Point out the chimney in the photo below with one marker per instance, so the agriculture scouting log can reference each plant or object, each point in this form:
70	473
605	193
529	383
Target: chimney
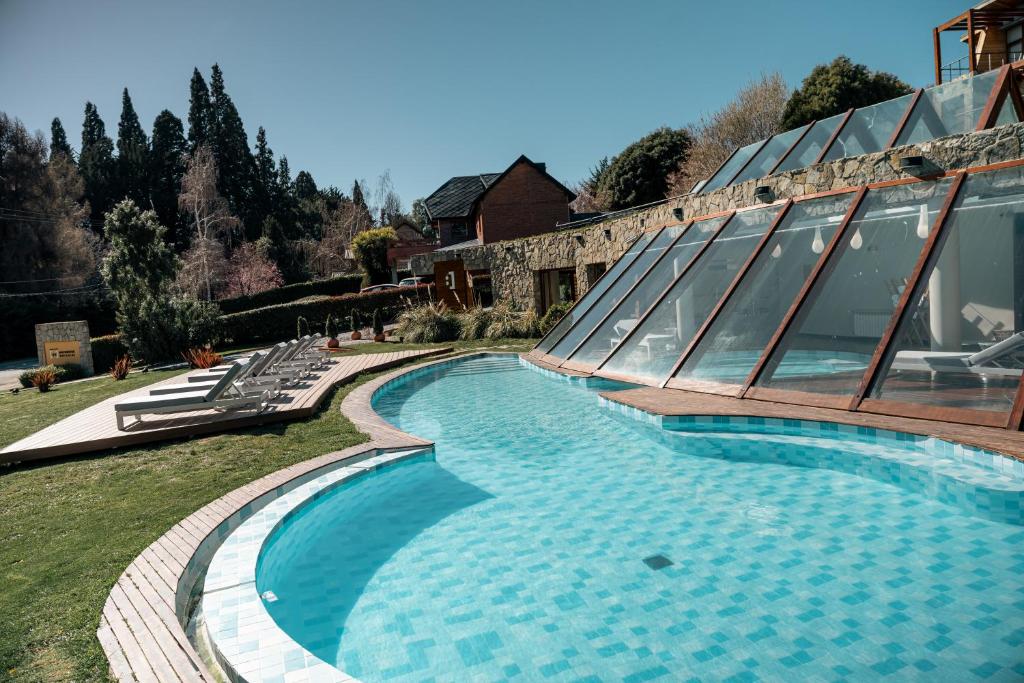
542	166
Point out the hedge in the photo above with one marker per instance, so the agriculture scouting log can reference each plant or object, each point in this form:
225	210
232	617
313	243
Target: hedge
343	284
19	315
105	350
277	323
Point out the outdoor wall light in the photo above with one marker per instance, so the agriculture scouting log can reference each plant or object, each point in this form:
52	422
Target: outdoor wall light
911	164
607	233
764	194
579	238
643	222
677	213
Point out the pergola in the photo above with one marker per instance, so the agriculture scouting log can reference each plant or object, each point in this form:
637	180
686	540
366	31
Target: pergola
970	21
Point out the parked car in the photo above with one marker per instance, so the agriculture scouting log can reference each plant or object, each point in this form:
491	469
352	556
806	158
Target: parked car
378	288
417	280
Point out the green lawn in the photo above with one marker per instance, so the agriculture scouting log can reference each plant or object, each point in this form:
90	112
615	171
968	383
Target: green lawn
68	528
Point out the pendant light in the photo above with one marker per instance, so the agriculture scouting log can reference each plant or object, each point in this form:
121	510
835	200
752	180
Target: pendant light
818	245
922	222
857	241
777	251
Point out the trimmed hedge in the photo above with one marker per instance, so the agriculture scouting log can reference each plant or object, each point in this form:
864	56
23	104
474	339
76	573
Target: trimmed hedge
343	284
277	323
105	350
21	313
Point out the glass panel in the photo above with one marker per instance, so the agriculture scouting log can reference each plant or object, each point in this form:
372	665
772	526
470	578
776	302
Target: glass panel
589	320
809	149
735	163
869	129
948	109
765	159
636	303
1007	113
838	327
961	343
594	293
748	320
657	343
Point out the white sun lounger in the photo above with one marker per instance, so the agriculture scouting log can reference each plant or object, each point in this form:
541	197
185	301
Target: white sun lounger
248	378
987	361
223	395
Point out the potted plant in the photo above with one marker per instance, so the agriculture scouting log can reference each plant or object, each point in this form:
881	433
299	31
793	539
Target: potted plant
331	330
378	326
353	323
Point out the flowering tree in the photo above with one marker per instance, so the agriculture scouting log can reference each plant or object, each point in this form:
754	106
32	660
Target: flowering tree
250	271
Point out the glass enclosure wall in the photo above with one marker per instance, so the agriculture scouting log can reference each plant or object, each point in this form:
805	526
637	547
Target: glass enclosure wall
653	346
738	336
764	161
869	129
810	148
634	305
636	270
834	334
594	293
960	343
948	109
729	169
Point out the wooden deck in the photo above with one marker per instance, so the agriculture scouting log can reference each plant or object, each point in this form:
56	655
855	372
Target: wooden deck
95	429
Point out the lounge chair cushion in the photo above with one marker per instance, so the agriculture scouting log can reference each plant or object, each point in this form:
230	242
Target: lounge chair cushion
148	402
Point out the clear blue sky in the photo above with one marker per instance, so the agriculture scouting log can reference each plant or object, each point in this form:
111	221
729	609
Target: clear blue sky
435	89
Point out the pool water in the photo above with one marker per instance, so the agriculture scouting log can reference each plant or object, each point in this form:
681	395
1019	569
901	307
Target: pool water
550	538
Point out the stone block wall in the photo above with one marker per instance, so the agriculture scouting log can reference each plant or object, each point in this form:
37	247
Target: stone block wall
513	263
67	331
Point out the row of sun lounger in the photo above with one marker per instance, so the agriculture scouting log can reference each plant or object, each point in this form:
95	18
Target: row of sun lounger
249	383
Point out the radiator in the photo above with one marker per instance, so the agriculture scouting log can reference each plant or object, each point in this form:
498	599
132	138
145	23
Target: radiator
870	323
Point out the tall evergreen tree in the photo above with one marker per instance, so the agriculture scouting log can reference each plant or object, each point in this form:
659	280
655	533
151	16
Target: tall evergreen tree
167	164
357	195
199	112
96	163
305	187
284	177
235	164
265	186
59	140
132	154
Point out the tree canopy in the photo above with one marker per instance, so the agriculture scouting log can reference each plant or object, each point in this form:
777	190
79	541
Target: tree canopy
638	175
371	250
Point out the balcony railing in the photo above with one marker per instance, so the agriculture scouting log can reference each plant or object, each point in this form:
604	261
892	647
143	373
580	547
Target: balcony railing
986	61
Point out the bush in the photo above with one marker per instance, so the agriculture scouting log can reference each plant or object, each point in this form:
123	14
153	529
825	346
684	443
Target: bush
507	322
378	324
353	321
274	323
331	327
20	315
335	286
551	317
44	378
106	350
202	359
301	327
164	329
60	373
122	366
428	324
473	323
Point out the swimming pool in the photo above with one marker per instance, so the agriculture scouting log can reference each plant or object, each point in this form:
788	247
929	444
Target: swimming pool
548	537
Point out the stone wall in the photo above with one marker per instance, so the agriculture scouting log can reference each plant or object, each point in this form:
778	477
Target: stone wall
513	263
70	331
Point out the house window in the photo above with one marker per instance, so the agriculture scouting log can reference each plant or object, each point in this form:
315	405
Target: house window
594	272
459	232
554	286
1015	42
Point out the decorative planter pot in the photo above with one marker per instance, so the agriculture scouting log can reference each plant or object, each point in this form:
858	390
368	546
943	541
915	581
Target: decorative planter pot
378	337
357	335
332	343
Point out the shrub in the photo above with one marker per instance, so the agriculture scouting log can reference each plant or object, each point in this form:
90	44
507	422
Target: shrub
331	327
335	286
275	323
72	371
20	315
378	324
106	350
507	322
301	327
473	323
428	323
551	317
370	247
163	329
353	321
121	367
44	378
202	358
61	373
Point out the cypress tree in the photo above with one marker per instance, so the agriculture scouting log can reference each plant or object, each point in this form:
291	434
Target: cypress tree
59	140
199	112
235	164
132	153
284	177
265	186
305	187
167	166
357	196
96	163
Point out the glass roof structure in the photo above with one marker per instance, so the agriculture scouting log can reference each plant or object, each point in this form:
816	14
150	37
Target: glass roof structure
900	298
960	106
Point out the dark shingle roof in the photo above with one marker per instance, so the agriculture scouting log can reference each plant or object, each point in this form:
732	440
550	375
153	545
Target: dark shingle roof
455	198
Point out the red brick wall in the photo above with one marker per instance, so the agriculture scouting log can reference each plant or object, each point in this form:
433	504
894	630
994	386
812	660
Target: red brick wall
525	202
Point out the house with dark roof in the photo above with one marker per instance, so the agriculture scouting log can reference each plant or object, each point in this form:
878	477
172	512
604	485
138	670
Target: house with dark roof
522	200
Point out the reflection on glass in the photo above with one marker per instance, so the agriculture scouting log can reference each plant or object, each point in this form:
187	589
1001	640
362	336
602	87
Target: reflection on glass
729	169
594	293
655	346
635	304
948	109
768	155
630	276
960	344
809	149
1007	113
830	342
750	317
868	129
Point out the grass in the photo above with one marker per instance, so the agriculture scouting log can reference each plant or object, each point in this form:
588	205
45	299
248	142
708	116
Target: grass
70	527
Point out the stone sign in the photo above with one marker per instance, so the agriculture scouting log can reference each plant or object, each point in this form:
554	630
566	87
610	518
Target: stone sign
65	343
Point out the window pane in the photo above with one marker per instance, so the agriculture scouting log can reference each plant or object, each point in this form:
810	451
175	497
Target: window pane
634	272
948	109
1007	113
869	129
654	348
836	330
809	149
594	293
960	344
636	303
748	320
769	155
735	163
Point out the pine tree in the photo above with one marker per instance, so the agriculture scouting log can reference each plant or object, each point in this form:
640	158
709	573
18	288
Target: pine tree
199	112
167	166
231	151
284	177
96	163
59	140
132	154
305	187
265	186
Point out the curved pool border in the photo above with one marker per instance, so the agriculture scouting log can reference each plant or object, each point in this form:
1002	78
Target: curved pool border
158	593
